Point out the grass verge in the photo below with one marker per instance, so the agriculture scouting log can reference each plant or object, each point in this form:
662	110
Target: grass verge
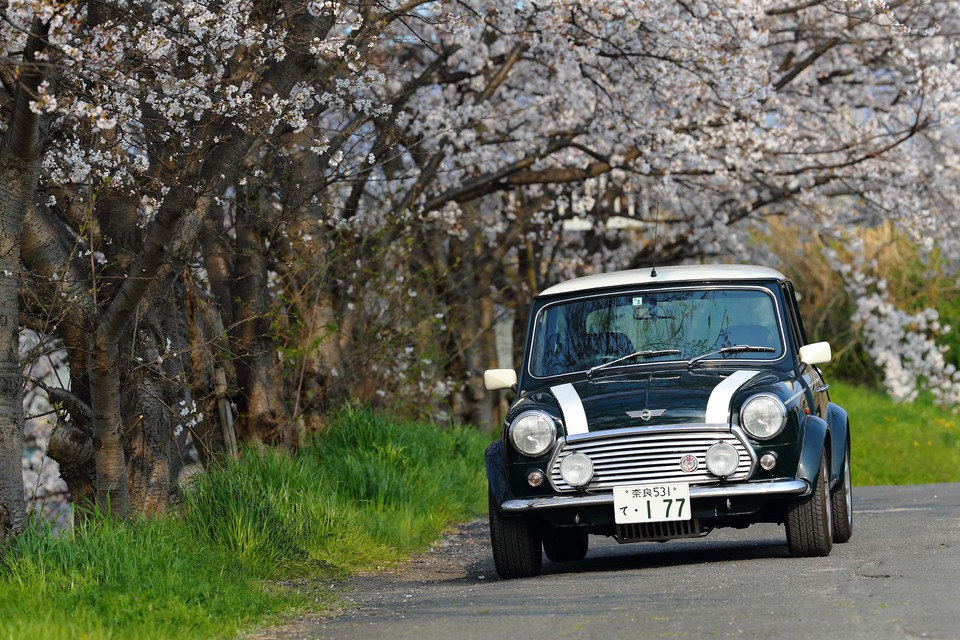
369	491
892	443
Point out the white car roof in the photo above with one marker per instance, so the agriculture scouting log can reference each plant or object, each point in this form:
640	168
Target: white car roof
666	275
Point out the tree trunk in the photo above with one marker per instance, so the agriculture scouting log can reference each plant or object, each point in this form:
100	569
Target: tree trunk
113	496
14	197
209	372
73	451
19	171
263	418
467	294
156	400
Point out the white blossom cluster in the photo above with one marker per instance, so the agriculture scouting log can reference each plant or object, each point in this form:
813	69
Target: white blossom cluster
188	417
709	109
138	92
903	344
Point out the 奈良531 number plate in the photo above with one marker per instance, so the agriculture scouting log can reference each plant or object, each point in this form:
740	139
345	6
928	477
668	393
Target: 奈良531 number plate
651	502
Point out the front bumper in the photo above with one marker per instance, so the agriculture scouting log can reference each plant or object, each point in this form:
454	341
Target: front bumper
759	489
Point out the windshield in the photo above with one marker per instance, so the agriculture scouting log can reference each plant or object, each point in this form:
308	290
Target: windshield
682	324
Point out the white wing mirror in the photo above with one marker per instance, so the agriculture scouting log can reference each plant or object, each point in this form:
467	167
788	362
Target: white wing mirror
497	379
816	353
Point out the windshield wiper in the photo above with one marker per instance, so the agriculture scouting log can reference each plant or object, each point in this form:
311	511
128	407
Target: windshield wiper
737	348
635	354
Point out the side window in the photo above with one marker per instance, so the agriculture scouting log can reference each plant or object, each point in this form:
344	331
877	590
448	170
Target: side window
795	323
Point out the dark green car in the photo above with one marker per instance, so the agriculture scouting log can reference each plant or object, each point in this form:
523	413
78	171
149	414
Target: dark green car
653	405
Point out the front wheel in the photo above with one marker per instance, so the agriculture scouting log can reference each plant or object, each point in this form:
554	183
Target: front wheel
809	521
516	543
841	503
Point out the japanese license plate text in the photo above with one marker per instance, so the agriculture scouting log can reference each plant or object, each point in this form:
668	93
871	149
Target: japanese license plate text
651	502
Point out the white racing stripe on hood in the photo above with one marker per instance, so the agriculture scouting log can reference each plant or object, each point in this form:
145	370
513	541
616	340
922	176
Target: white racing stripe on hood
574	417
718	406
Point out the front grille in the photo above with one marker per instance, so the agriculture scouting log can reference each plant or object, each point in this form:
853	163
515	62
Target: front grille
649	454
639	532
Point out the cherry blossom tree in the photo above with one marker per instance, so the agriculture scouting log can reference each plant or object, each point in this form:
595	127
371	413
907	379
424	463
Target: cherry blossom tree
530	118
331	199
155	111
19	172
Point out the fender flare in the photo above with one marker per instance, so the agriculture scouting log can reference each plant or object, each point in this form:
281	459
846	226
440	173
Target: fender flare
839	425
815	438
497	472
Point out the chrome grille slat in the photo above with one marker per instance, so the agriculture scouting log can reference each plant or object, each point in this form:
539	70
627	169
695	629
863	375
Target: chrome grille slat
628	457
693	447
661	437
630	454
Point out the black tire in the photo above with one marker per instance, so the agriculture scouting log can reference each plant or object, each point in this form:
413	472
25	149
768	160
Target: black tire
809	520
841	503
565	546
515	542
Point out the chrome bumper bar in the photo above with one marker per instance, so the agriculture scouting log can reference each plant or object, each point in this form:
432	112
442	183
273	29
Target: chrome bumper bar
776	488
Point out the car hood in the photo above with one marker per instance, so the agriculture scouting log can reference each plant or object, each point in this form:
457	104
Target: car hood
675	397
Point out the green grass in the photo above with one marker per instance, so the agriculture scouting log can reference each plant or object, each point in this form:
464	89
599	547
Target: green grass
894	443
368	492
117	580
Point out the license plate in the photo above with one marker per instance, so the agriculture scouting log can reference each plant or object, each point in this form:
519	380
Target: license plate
651	502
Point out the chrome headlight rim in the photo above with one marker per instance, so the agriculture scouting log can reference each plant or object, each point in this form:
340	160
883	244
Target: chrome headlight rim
518	438
751	428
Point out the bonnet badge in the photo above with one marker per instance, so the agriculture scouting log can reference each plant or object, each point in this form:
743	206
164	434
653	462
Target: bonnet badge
646	414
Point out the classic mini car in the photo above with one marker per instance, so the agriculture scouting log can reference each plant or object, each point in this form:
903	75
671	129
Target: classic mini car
660	404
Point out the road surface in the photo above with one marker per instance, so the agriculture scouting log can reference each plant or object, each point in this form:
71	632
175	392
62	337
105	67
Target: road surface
898	577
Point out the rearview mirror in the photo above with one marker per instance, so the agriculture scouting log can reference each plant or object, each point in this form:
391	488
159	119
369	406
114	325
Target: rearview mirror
816	353
498	379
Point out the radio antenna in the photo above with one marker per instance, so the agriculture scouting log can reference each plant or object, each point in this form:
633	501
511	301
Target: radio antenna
656	229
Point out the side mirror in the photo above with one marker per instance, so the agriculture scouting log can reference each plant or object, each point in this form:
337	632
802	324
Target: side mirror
498	379
816	353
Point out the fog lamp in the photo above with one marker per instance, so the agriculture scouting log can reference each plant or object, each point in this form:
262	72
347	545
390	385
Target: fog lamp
768	461
576	470
722	459
535	478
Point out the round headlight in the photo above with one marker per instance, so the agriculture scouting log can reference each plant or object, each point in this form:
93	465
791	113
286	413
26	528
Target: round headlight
532	433
763	416
722	459
576	469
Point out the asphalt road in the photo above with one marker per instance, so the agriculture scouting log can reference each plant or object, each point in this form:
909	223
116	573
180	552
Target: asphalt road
898	577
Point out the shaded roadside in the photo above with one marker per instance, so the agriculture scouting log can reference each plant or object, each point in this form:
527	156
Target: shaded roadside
459	562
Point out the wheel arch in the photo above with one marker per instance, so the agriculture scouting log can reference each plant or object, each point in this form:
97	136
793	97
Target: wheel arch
497	472
839	428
